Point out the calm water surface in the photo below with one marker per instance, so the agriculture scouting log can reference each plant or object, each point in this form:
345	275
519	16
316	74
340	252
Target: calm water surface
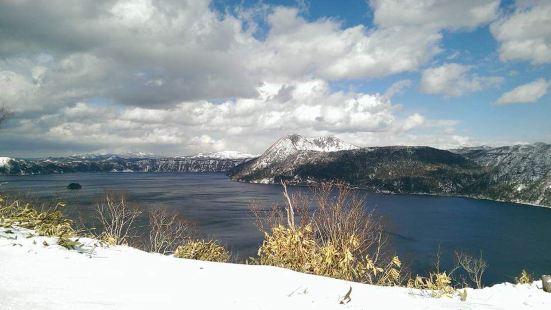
510	236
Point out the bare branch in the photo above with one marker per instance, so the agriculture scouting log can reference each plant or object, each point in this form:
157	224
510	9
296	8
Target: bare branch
167	231
474	267
117	218
290	210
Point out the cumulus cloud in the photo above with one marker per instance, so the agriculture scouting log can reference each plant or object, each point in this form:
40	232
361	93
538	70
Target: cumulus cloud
159	53
242	124
527	93
397	87
179	76
295	48
454	79
444	14
526	34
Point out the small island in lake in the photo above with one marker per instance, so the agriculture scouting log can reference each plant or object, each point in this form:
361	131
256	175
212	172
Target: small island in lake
74	186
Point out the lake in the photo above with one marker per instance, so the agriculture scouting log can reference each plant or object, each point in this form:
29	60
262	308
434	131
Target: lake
510	236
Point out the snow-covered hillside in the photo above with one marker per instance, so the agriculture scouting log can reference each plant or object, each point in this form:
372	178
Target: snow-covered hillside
524	171
128	162
35	273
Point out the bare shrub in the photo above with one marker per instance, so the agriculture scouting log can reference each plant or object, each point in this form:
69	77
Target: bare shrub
117	218
473	266
208	250
328	233
295	212
167	231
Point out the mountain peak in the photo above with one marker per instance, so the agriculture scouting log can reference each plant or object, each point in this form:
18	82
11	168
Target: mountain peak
295	142
291	145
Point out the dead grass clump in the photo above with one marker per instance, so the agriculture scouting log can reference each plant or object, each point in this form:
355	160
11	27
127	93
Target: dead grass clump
49	222
207	250
438	284
524	277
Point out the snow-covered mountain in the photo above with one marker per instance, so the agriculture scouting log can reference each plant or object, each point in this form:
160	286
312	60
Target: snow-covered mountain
294	143
292	150
520	173
127	162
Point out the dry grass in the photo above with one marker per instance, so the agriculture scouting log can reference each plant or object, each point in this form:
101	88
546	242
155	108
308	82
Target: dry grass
327	233
438	284
48	222
524	278
203	250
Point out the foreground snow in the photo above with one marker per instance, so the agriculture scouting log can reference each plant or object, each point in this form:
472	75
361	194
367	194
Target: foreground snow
34	275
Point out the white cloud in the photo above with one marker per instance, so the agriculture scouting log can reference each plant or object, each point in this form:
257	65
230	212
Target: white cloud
526	34
442	14
179	75
243	124
159	53
397	87
454	79
526	93
296	48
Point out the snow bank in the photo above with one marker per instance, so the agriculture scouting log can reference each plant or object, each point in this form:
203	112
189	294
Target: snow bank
38	276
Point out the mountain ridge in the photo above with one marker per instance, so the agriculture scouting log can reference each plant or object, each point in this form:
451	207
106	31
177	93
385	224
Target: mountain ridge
520	173
210	162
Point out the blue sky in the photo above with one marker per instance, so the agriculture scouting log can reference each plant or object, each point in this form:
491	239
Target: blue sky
180	77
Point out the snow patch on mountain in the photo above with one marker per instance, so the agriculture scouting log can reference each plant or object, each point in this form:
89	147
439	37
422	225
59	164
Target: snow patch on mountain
318	144
224	155
4	161
106	155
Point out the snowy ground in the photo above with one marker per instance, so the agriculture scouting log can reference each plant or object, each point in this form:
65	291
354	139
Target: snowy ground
38	276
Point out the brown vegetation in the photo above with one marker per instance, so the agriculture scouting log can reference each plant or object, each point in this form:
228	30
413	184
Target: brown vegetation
327	233
208	250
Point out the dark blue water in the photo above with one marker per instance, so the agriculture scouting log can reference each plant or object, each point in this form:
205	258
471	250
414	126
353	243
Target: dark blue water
510	236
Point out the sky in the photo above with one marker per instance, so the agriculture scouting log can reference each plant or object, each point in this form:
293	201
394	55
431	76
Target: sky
178	77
